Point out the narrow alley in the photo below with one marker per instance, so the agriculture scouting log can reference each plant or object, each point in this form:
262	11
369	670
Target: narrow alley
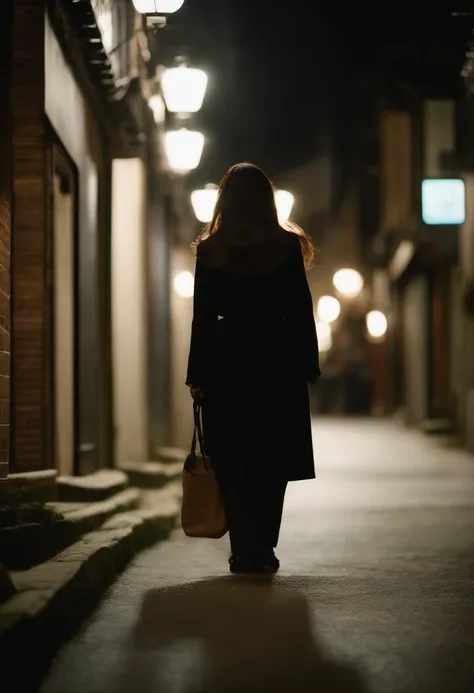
269	215
375	593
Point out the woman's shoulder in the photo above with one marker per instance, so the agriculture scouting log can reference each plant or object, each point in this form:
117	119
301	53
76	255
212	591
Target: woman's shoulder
209	251
291	238
292	244
204	246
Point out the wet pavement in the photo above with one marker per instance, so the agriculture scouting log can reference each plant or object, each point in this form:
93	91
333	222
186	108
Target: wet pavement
375	595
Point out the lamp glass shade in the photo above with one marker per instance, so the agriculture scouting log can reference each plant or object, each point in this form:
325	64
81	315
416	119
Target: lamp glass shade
184	89
328	309
284	201
376	324
157	6
348	282
204	202
184	149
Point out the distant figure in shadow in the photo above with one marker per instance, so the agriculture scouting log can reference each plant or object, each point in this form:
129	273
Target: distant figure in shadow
231	636
253	351
358	391
331	384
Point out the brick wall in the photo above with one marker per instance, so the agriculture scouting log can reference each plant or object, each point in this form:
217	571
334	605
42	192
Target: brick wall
6	15
31	415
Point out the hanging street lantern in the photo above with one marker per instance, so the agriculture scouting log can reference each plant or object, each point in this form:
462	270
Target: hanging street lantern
184	149
348	282
376	324
157	7
328	309
284	201
184	89
204	202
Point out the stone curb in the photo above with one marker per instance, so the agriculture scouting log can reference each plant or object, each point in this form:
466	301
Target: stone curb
53	598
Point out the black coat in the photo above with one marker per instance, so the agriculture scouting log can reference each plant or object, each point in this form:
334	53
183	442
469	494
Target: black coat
253	351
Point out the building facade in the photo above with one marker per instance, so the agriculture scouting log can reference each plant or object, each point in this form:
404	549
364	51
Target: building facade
6	26
81	216
417	265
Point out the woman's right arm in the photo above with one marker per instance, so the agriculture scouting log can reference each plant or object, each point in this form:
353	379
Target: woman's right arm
303	309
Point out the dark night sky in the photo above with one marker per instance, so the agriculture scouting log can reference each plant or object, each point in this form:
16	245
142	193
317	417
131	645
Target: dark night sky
281	80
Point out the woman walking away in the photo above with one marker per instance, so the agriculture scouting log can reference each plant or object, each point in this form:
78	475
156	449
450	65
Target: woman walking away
253	352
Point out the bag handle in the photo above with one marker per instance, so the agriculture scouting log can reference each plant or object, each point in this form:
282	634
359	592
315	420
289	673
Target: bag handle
198	434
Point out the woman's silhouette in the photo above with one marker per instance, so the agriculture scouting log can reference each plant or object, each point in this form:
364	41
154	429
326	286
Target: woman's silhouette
253	351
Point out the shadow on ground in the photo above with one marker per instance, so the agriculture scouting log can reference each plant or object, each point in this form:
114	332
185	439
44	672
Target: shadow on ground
231	634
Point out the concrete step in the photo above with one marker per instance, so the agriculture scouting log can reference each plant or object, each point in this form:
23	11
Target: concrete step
24	546
98	486
168	454
90	516
53	598
29	486
152	474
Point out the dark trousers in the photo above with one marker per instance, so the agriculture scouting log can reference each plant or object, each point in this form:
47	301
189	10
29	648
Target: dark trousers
254	507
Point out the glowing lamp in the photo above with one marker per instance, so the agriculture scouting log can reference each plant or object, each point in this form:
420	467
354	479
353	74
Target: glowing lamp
204	202
328	309
376	324
184	89
348	282
284	201
157	6
184	149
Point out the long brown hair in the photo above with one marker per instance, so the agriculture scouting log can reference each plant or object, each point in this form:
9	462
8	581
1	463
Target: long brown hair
245	213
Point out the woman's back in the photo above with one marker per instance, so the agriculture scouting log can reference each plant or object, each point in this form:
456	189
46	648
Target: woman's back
251	319
253	280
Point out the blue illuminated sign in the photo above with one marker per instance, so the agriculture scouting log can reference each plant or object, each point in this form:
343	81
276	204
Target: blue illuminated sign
443	201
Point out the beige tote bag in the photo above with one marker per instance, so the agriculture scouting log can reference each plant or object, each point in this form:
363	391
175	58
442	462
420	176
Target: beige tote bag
202	509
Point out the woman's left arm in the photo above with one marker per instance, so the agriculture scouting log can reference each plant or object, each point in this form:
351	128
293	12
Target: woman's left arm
303	303
204	319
